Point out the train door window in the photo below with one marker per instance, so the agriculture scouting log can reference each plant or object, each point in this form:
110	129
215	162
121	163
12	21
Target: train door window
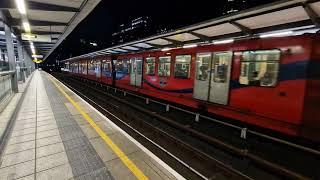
139	66
220	66
150	66
164	66
106	66
260	68
91	66
182	66
203	66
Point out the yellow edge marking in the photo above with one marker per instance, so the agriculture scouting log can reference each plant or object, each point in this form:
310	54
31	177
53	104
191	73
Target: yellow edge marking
133	168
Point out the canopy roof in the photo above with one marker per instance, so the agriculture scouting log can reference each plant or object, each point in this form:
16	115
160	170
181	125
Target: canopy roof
293	15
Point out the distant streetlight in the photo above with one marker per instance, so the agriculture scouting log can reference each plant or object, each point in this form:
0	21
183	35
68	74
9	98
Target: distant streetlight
93	44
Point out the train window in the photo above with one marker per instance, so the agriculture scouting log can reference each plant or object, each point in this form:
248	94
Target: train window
221	65
122	66
260	68
164	66
150	66
91	65
182	66
203	66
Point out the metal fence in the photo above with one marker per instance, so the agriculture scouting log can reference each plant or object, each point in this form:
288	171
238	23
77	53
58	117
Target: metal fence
5	84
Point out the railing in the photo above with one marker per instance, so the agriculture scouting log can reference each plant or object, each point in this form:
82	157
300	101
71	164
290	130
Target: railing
5	84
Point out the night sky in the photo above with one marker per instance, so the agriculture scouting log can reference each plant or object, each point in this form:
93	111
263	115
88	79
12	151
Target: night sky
109	14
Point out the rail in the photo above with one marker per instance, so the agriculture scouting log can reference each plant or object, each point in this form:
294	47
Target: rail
243	130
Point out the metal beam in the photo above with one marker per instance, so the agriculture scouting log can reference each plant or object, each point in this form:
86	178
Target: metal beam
45	32
312	15
241	27
201	36
8	4
174	42
18	22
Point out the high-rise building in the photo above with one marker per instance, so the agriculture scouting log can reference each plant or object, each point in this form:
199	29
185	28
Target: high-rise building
133	30
232	6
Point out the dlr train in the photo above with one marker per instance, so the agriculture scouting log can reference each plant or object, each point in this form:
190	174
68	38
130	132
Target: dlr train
273	83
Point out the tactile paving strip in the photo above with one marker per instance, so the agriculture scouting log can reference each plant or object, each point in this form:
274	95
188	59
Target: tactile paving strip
84	160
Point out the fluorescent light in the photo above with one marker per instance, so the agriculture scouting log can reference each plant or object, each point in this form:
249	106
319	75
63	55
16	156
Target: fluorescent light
190	46
21	6
277	34
166	49
224	41
26	27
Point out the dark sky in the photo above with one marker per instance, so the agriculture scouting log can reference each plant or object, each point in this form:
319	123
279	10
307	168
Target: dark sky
109	14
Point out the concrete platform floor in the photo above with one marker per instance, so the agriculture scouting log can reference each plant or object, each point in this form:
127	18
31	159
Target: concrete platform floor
57	135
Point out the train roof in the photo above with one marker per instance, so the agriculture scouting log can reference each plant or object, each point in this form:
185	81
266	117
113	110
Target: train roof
288	17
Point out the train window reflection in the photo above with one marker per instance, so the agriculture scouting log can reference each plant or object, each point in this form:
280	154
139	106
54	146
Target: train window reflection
182	66
164	66
150	66
203	66
260	68
221	65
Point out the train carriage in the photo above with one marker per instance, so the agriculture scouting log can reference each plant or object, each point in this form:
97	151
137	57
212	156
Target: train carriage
269	83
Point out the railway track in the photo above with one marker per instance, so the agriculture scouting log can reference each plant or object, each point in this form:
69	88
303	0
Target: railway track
206	154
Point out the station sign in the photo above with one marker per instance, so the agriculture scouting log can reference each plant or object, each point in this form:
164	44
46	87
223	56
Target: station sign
39	56
35	37
37	61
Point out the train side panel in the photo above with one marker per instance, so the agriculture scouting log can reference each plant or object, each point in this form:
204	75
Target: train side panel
311	113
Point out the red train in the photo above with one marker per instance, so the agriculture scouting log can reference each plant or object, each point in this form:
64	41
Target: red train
273	83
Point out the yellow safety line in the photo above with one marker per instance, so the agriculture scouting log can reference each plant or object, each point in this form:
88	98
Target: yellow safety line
133	168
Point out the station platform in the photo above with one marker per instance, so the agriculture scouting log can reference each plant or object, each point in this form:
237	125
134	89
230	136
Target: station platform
57	135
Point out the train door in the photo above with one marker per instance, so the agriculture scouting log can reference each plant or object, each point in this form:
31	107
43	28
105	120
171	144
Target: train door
136	72
202	80
213	77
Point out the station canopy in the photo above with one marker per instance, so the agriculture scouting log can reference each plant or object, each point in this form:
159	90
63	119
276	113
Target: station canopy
50	21
288	17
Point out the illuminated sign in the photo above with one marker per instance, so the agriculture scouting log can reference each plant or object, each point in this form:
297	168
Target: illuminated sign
35	37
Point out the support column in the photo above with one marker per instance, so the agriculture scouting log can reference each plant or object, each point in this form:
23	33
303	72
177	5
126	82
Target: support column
21	60
11	57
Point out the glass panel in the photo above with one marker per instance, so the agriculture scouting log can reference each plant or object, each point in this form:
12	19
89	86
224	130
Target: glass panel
122	66
139	66
133	66
150	66
203	66
164	66
260	68
221	64
182	66
4	63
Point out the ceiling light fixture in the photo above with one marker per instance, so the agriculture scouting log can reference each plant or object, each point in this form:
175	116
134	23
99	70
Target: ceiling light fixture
277	34
224	41
190	46
21	6
166	49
